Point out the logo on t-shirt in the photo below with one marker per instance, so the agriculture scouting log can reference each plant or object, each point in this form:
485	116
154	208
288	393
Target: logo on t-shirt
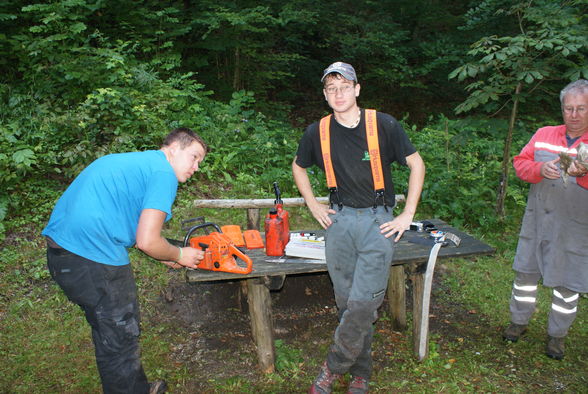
366	156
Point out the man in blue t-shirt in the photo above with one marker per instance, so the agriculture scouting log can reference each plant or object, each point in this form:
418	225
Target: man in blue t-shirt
119	201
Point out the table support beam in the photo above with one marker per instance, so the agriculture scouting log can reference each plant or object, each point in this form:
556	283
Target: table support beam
397	297
253	219
260	312
418	280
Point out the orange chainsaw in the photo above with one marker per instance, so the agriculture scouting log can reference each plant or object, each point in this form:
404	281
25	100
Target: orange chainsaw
219	251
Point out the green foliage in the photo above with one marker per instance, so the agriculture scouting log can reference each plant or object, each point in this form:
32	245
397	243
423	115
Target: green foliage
545	40
3	210
402	51
88	95
249	151
463	164
289	360
239	41
540	41
82	95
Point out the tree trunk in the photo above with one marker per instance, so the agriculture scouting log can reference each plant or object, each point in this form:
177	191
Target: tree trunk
506	155
237	71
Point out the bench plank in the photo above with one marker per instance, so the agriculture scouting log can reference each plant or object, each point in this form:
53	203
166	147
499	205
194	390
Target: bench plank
405	252
263	202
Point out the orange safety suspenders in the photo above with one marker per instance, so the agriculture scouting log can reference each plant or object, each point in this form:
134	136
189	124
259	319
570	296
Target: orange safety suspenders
371	130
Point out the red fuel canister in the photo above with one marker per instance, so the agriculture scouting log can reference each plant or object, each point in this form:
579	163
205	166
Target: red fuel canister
273	234
277	227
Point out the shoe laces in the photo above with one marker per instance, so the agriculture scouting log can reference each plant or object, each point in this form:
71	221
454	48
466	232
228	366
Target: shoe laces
326	377
358	383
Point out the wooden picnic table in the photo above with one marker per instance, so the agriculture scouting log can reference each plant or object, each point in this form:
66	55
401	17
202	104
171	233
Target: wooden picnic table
269	273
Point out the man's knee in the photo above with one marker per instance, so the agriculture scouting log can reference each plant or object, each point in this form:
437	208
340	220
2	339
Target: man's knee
525	278
118	330
364	313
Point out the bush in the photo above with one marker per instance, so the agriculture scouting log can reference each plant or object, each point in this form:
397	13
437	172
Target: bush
463	159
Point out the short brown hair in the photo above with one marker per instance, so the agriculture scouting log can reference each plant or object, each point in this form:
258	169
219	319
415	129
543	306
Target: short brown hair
185	137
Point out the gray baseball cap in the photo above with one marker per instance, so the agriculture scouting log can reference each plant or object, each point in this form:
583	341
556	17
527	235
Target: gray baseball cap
344	69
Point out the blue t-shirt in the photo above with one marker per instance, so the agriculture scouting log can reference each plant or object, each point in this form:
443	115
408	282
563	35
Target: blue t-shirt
97	216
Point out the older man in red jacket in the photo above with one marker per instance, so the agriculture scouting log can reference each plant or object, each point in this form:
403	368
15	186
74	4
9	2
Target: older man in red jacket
554	233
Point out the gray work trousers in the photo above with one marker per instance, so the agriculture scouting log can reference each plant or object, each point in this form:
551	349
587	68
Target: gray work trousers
358	260
563	309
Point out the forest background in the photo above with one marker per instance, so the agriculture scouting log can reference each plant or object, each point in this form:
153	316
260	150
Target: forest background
80	79
470	82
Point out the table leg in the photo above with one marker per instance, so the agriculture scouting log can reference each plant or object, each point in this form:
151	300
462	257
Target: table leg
397	297
260	311
253	218
417	279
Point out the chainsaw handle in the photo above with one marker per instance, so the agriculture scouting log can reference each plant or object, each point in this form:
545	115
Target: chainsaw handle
238	253
197	227
199	219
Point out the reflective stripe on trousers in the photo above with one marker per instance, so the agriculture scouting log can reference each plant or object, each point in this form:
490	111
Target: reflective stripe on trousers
564	307
563	310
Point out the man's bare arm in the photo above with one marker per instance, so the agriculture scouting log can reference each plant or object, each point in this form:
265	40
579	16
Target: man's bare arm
151	242
415	187
319	211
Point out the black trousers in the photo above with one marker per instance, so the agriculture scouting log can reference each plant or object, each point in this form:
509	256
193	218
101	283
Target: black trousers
108	296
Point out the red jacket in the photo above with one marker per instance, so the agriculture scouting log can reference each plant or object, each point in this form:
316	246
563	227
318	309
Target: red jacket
545	145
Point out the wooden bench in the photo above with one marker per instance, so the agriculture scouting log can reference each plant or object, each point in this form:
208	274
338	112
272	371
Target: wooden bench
409	258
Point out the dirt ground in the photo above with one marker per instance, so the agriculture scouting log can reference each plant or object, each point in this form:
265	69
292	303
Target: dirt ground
212	334
215	317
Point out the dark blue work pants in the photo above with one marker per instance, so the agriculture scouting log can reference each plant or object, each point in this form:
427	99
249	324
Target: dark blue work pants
108	296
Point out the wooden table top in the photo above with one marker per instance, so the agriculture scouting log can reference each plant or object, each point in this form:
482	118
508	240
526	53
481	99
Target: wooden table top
410	249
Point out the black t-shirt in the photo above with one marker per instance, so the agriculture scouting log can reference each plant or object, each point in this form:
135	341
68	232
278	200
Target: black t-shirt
349	154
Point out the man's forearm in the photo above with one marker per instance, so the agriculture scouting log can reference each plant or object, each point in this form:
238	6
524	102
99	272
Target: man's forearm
149	239
160	249
415	183
303	184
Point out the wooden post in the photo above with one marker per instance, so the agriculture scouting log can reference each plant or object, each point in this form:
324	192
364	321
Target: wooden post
253	219
397	297
252	224
417	279
260	312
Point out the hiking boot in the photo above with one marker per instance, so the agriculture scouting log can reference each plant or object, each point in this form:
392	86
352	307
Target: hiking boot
324	381
358	385
555	348
513	332
157	387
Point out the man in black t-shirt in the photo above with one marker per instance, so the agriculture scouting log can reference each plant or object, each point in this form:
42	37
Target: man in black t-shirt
359	221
